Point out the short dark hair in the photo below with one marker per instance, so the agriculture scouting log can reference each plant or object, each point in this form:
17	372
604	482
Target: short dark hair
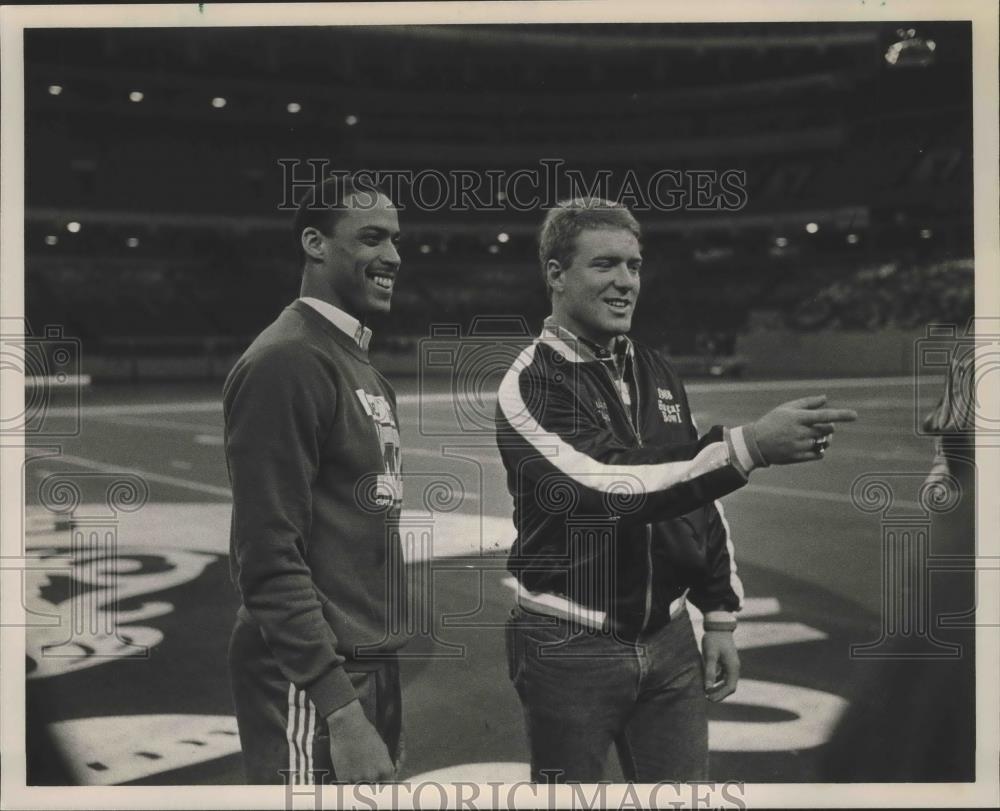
323	204
564	223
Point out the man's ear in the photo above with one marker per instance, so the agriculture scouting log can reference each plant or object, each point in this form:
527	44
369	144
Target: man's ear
313	243
555	274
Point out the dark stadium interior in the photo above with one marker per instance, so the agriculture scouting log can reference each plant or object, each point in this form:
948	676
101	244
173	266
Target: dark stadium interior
181	236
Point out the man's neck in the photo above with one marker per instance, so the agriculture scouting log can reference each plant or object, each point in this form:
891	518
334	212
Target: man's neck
312	288
603	340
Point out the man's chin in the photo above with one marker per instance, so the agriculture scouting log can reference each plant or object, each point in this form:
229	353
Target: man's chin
619	326
379	306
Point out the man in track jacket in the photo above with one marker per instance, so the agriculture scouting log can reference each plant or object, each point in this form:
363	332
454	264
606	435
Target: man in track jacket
618	523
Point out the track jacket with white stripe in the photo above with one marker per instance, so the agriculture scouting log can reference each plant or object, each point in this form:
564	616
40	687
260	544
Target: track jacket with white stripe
615	501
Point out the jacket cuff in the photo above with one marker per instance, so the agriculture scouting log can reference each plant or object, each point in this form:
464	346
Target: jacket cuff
739	454
749	437
331	691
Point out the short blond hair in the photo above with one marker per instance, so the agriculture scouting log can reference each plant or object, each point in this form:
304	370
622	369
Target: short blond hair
564	223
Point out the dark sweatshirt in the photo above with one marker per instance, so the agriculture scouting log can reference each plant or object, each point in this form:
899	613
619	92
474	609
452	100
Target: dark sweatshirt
312	448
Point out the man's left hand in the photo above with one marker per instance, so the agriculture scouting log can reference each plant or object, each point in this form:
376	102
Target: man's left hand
722	664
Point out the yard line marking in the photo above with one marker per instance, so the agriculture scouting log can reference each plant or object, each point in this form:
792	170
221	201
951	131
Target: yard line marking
491	457
754	488
902	430
890	404
146	422
137	408
454	424
792	492
208	439
819	385
202	406
885	456
161	478
198	487
817	495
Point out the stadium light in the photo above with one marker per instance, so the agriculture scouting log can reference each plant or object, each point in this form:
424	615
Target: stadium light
136	96
73	227
55	89
503	238
812	227
294	107
781	242
494	249
926	233
51	239
425	248
852	239
132	242
218	102
911	51
351	120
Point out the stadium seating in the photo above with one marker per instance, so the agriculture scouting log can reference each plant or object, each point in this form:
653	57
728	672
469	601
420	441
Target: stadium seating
182	204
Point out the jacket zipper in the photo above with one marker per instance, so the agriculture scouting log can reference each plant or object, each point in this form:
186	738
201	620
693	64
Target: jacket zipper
648	610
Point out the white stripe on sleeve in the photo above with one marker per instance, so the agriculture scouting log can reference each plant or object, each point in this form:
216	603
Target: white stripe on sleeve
734	579
585	469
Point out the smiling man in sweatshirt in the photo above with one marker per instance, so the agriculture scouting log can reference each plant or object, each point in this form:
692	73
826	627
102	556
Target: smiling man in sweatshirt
312	448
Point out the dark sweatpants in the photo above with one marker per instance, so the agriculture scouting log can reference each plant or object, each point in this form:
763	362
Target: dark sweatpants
283	738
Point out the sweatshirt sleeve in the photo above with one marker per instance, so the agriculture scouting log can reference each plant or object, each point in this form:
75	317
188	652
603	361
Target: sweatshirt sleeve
279	404
555	448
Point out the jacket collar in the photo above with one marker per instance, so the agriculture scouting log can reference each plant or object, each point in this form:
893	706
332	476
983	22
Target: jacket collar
580	350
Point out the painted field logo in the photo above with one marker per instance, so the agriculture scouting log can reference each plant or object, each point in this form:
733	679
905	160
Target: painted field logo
77	619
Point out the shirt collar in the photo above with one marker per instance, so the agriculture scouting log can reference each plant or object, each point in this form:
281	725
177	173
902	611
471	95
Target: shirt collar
347	324
588	350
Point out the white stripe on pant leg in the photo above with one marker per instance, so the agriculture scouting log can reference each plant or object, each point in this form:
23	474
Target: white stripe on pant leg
310	734
293	758
300	702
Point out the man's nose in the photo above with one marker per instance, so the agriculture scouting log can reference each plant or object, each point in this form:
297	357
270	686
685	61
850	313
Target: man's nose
390	256
625	278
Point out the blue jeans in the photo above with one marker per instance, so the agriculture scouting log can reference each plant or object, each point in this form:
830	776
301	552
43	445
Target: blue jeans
583	690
